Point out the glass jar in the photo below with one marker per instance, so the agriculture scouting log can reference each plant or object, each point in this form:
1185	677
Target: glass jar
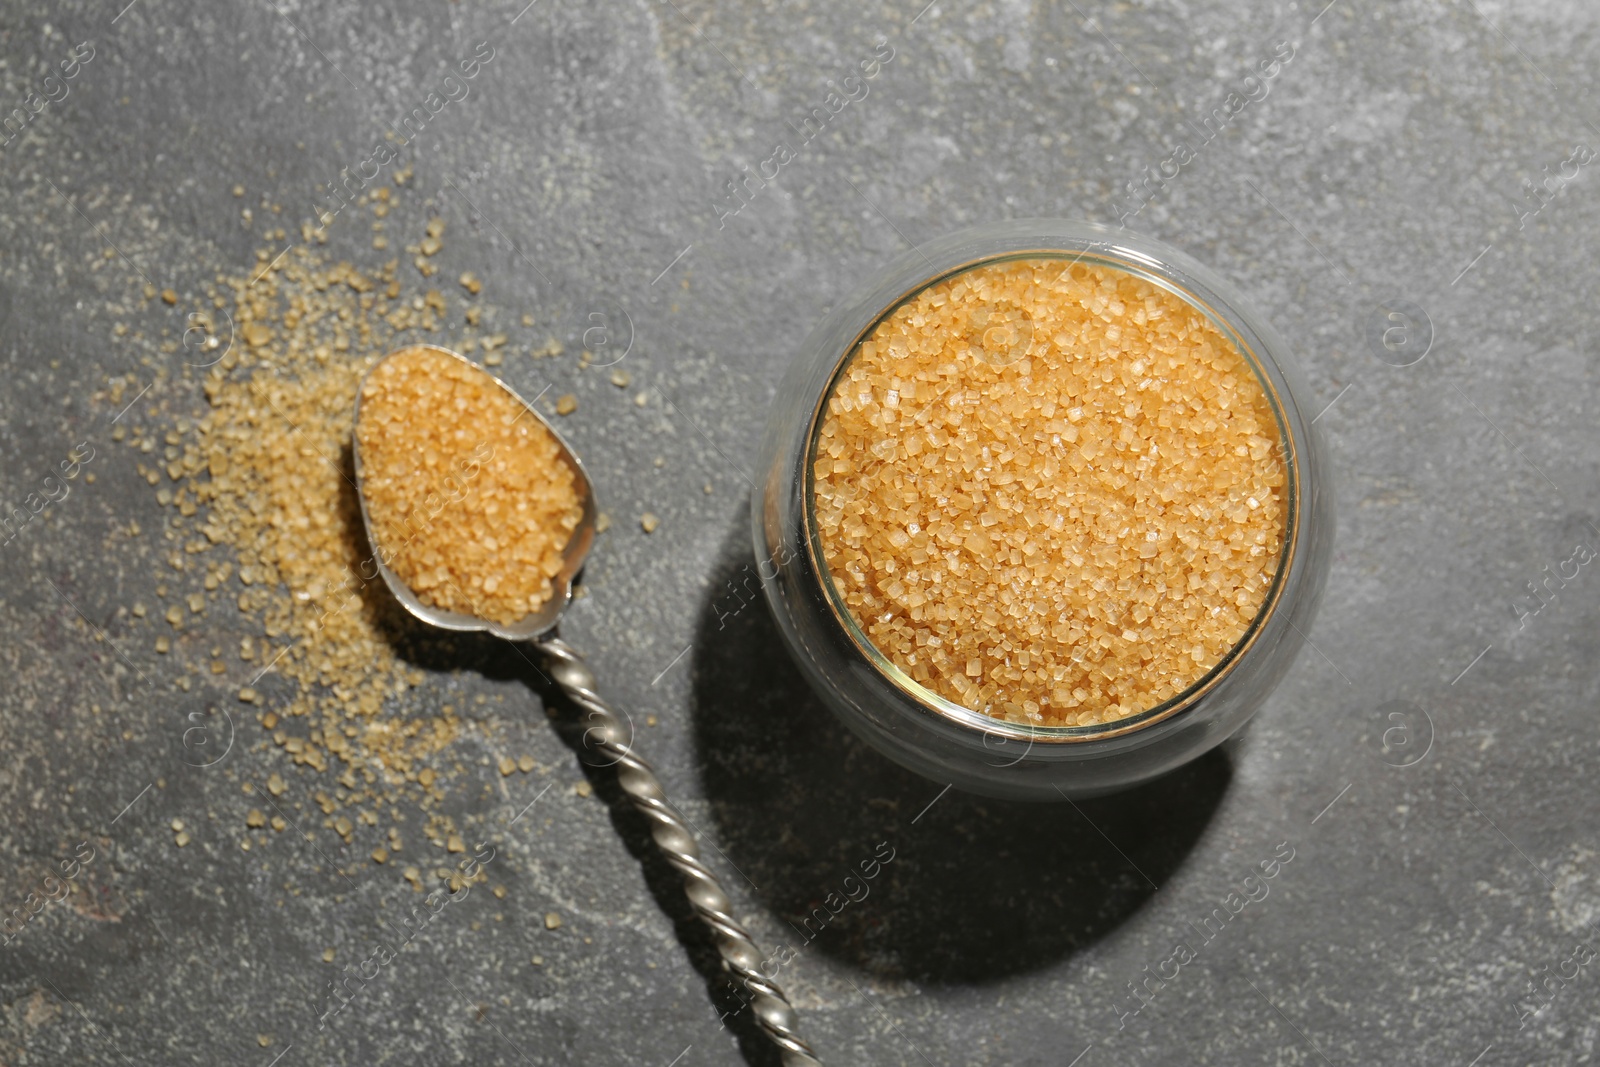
953	744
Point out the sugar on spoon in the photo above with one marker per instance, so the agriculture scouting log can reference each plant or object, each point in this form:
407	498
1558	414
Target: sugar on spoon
603	729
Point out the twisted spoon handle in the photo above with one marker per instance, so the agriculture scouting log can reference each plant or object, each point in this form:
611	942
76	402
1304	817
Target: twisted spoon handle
739	954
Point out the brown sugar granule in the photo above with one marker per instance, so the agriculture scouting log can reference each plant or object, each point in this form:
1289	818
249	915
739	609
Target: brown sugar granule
269	471
470	500
265	502
1051	492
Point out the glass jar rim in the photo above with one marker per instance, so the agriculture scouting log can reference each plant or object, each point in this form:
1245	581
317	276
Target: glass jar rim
1152	263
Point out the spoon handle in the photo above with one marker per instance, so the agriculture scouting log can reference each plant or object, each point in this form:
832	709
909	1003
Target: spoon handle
739	954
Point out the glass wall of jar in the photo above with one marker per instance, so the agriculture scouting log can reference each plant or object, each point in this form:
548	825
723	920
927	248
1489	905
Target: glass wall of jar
945	740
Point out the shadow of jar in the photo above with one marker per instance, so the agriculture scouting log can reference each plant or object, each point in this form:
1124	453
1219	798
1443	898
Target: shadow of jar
977	890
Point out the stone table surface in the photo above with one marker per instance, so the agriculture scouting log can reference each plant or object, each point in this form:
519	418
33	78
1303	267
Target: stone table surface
1424	159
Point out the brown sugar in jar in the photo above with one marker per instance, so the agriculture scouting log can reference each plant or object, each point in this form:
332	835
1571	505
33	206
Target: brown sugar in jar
1049	491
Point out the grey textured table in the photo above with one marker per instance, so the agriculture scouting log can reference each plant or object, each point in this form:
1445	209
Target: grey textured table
1434	878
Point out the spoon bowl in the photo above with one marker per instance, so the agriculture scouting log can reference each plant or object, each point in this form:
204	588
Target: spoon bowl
534	624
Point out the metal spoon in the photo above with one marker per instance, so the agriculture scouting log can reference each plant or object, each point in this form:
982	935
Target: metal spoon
739	953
